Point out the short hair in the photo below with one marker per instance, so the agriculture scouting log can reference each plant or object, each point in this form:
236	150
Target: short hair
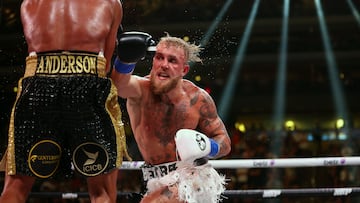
192	51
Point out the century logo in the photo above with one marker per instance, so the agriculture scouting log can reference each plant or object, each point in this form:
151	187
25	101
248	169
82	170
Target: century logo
90	159
44	158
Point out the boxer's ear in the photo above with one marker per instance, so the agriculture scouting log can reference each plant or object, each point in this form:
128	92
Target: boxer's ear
186	69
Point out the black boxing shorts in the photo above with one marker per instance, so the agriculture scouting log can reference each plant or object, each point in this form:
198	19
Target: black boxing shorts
66	117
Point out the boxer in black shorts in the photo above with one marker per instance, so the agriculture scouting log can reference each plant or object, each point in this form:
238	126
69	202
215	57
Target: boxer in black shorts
65	106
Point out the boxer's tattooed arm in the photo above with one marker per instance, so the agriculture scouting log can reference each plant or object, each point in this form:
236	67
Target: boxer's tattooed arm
208	114
194	99
211	124
207	108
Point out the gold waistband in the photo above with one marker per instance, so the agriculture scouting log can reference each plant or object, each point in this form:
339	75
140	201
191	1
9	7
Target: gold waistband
65	63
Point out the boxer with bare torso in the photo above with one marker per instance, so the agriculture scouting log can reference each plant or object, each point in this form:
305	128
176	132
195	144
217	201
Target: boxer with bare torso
66	108
175	124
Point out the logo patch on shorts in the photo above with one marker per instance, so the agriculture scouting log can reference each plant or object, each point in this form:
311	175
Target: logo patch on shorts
44	158
90	159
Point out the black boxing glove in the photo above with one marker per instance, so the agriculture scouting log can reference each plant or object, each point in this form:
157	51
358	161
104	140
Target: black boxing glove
131	48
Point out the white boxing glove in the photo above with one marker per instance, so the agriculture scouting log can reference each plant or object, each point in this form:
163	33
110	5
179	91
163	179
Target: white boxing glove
192	145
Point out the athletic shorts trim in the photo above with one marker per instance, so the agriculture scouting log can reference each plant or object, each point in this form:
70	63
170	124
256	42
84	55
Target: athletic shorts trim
65	63
113	109
158	171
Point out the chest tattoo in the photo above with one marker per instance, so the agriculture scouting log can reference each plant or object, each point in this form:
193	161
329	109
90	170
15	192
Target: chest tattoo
166	119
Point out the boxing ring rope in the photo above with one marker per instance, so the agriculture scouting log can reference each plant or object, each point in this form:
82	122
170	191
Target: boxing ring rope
267	163
260	193
250	163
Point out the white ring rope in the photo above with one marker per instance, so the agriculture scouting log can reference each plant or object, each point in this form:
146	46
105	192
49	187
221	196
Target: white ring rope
260	193
305	192
267	163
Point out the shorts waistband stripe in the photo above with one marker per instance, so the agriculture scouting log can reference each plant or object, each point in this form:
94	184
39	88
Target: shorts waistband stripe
157	171
65	63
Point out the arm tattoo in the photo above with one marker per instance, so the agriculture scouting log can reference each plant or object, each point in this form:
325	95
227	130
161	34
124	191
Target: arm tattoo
207	110
194	99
